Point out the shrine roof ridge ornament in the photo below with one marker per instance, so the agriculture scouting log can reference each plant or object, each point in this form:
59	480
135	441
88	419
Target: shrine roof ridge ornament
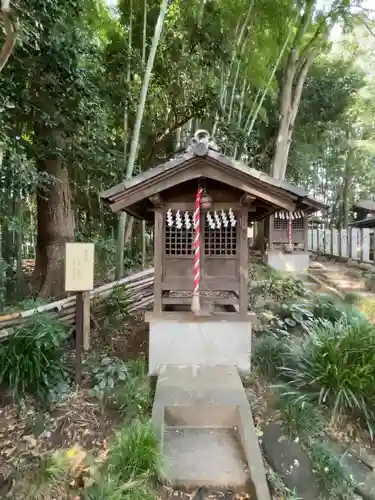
201	143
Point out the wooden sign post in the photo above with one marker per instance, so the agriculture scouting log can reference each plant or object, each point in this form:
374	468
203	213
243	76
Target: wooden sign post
79	278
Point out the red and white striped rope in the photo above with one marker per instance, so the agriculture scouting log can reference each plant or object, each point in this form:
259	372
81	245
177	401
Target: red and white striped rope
196	268
290	229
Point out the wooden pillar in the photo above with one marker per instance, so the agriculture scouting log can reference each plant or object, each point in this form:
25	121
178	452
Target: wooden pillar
306	231
361	245
244	257
350	242
80	304
158	258
269	229
86	321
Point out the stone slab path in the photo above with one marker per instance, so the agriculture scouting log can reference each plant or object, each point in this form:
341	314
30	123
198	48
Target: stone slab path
339	275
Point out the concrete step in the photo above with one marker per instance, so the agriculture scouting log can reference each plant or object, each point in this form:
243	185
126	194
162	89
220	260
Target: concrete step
204	456
206	430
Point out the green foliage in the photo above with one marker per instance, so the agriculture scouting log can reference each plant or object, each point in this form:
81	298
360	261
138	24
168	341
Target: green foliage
332	309
30	359
336	366
288	317
106	376
326	307
132	397
277	287
269	355
352	298
279	487
111	487
116	304
299	414
135	453
331	472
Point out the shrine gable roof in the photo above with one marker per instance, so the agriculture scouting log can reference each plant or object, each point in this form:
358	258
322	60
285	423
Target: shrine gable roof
200	161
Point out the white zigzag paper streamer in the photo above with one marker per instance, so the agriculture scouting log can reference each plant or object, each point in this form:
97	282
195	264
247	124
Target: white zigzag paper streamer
187	220
169	218
224	218
178	220
217	220
232	218
210	220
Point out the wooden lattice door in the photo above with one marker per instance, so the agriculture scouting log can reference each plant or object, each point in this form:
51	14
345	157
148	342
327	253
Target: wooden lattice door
219	243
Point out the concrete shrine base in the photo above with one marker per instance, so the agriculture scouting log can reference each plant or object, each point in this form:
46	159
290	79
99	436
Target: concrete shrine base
295	262
180	338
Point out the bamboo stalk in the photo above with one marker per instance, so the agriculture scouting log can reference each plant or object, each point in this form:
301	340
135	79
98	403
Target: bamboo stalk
133	282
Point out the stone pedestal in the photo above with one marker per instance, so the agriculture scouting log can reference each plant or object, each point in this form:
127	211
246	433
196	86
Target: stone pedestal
178	338
294	262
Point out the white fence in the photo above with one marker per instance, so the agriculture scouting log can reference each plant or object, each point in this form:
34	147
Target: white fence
356	244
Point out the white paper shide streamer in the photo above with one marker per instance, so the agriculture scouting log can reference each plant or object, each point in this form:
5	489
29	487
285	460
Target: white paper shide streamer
178	220
187	220
210	220
169	218
232	218
215	219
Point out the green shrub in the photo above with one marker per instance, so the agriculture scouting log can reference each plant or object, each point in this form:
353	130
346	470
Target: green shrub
132	397
135	453
300	416
336	365
352	298
30	359
289	316
326	307
269	354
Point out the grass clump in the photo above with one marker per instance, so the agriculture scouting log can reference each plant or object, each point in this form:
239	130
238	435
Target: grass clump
300	416
112	488
333	477
335	365
134	453
132	397
31	358
133	466
279	487
269	354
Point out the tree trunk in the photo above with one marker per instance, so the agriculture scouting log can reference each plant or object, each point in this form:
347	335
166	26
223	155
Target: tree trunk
55	223
18	208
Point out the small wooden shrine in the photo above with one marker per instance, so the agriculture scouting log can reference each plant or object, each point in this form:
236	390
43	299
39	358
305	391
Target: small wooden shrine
315	222
287	231
232	196
362	210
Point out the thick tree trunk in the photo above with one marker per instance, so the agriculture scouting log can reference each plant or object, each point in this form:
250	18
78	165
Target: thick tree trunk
55	223
294	79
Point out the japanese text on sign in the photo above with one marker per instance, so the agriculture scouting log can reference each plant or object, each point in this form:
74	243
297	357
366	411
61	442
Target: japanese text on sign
79	267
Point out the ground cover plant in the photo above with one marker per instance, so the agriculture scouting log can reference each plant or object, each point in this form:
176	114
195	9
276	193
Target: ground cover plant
31	359
316	356
59	442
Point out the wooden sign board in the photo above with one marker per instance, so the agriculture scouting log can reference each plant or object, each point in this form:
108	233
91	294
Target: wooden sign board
79	267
